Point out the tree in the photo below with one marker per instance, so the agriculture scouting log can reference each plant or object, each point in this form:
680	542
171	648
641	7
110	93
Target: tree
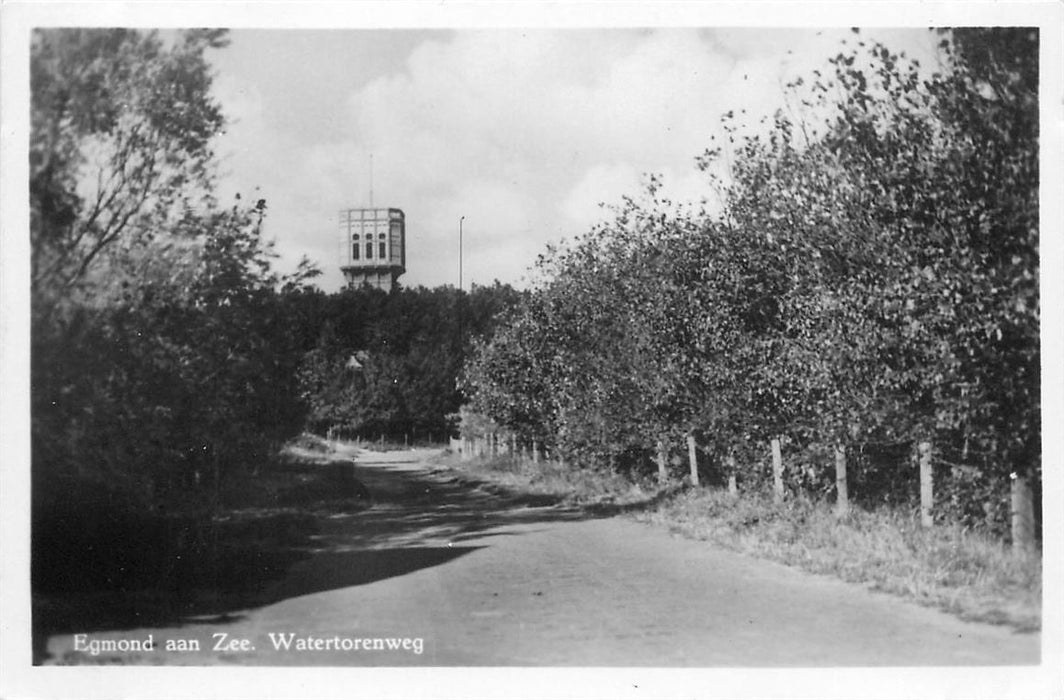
158	356
120	145
871	280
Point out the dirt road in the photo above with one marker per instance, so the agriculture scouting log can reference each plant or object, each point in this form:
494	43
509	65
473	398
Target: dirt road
438	573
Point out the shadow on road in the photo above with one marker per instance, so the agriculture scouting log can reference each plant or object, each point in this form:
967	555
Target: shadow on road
416	518
416	508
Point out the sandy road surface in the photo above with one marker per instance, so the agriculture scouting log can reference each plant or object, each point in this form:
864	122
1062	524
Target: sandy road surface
467	577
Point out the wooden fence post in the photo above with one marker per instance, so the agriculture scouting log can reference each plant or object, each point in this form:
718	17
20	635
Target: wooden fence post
692	457
927	485
535	452
733	486
663	474
1022	514
777	470
842	489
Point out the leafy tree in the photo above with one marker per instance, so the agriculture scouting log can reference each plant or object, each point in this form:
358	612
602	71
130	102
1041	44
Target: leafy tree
121	126
871	280
160	358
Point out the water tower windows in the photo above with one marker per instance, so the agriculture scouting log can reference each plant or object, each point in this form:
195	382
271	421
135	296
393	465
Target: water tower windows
355	247
382	247
396	240
369	250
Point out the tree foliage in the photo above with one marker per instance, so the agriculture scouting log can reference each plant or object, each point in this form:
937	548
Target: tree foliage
120	145
870	280
164	349
388	363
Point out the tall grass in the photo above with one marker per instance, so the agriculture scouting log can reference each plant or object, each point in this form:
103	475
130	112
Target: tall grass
550	478
965	572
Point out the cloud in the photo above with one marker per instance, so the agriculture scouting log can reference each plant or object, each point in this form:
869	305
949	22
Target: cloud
522	132
526	132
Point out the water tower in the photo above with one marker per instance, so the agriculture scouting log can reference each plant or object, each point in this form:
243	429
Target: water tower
373	247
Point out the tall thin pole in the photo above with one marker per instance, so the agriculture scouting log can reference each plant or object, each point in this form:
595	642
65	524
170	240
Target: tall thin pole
458	298
370	180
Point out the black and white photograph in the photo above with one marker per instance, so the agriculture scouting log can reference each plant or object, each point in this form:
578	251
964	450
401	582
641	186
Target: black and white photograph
531	350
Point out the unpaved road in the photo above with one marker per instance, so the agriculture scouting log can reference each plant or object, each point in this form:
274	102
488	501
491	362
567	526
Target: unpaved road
474	579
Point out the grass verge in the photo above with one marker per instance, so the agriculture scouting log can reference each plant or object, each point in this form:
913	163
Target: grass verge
568	486
966	573
960	571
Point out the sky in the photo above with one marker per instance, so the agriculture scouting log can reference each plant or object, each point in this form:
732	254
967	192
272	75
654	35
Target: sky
525	133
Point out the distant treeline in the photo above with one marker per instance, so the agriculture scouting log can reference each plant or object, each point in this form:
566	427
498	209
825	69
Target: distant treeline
863	275
387	365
